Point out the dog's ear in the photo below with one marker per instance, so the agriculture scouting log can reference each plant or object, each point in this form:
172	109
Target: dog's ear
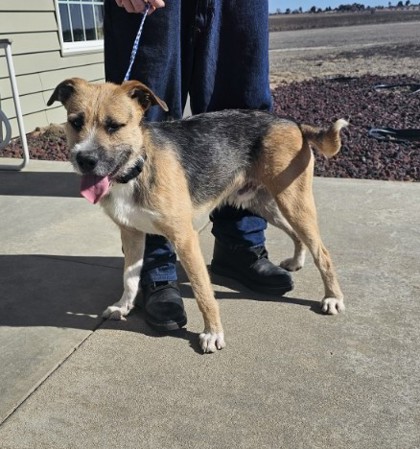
145	96
64	91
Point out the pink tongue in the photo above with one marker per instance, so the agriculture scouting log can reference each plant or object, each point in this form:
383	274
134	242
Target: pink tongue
93	187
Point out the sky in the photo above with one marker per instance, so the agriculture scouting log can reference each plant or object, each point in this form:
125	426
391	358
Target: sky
307	4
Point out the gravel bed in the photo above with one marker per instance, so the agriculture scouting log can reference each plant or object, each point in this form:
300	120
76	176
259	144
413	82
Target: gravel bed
319	102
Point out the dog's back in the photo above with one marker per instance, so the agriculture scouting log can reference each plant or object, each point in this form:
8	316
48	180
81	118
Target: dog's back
214	148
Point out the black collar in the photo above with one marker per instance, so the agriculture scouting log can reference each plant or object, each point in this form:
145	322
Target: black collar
133	172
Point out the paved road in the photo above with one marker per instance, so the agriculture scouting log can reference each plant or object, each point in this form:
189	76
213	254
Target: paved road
345	37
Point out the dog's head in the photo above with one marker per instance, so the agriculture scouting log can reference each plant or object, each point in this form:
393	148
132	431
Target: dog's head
103	128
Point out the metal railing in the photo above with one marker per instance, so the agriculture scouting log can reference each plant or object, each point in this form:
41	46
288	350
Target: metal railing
6	45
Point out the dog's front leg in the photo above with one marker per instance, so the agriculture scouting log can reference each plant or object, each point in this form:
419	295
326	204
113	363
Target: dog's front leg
188	249
133	247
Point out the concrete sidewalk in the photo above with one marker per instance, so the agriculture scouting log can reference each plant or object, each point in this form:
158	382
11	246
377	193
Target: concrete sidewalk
290	377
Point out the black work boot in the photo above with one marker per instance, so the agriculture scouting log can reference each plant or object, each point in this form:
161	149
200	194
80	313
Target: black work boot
251	267
163	306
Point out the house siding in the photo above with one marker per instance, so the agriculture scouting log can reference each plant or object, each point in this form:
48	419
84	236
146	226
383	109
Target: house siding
32	27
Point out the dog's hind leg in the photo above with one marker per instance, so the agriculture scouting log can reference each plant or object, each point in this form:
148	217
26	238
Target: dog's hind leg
297	204
265	206
133	247
186	243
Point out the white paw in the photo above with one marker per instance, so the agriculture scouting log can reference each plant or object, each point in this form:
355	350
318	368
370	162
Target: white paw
117	313
292	264
332	306
211	341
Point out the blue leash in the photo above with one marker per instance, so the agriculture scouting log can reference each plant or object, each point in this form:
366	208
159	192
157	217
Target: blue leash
136	43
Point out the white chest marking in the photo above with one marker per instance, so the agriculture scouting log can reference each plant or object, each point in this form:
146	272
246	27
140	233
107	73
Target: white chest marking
120	206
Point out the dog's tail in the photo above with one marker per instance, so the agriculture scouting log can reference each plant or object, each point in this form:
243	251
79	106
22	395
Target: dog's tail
327	141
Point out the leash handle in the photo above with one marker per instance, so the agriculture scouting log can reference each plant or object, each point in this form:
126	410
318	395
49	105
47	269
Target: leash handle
136	43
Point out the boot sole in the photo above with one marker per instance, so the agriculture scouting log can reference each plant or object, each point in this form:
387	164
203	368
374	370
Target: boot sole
167	326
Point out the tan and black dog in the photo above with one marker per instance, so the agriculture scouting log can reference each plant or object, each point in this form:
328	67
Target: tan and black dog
165	178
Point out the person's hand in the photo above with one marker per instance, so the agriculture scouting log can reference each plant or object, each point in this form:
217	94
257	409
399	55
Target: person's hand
138	6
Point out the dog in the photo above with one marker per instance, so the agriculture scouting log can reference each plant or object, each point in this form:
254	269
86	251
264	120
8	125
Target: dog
165	178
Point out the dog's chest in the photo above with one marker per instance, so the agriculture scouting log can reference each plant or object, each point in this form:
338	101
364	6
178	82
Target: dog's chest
122	208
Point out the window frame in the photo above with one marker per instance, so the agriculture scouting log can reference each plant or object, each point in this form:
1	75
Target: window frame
72	48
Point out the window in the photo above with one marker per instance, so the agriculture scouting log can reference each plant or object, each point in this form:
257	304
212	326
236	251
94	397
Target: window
80	23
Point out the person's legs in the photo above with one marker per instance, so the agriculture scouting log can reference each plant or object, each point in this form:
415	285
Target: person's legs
178	55
231	70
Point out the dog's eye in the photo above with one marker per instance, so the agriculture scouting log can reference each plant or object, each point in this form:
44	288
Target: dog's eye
77	123
113	127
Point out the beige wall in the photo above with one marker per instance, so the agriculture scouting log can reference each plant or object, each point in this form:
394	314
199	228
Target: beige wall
39	65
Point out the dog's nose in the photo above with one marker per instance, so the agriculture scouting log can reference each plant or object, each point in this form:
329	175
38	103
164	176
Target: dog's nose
86	161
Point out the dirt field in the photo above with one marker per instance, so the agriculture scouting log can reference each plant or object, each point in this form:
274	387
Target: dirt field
381	49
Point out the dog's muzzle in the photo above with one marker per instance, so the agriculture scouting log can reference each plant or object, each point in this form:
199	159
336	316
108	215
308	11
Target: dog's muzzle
98	162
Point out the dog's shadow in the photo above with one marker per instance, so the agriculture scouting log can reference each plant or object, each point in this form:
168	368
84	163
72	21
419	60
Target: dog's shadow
136	321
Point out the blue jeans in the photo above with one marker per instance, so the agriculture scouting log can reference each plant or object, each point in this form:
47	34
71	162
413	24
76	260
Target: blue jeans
217	52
